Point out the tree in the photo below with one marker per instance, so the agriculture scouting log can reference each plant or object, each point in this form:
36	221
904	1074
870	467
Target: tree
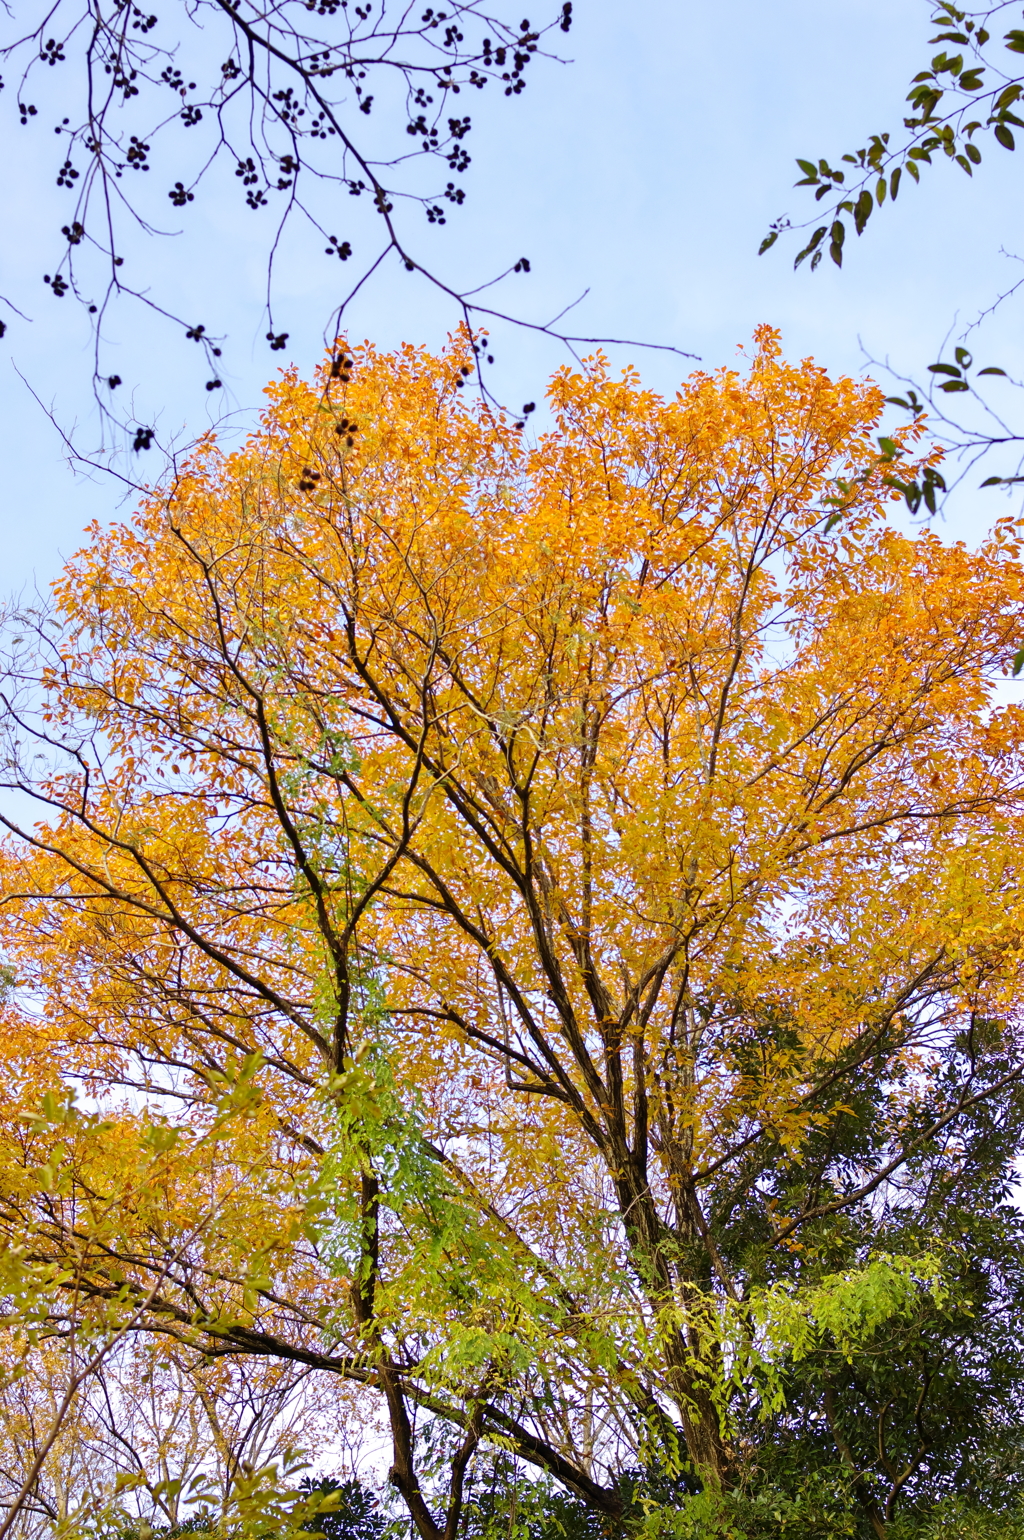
290	98
538	845
157	1437
103	1424
969	91
358	1514
928	1405
968	94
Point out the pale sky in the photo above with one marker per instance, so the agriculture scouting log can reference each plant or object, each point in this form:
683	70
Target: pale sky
645	171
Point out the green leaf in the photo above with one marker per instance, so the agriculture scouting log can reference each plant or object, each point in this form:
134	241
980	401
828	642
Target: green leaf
950	385
929	492
944	369
973	153
993	370
863	210
925	99
1004	136
812	245
894	183
962	357
1015	41
971	80
769	240
1018	663
914	172
808	168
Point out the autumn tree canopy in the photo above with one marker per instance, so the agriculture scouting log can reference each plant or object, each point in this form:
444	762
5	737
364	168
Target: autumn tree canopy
530	925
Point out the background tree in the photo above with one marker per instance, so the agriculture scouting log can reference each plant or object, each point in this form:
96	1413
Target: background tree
966	100
93	1406
358	1514
539	844
167	1438
969	93
929	1404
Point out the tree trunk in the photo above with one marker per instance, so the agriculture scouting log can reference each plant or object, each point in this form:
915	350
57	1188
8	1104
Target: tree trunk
700	1415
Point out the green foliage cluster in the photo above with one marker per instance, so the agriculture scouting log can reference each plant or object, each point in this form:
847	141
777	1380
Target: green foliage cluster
961	96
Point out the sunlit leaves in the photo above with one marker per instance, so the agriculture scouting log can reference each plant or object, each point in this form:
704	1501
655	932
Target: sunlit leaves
500	851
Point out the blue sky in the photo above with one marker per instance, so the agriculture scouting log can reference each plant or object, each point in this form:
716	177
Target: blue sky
645	171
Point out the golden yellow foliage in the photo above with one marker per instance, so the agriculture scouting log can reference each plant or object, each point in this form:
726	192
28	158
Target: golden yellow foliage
518	848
